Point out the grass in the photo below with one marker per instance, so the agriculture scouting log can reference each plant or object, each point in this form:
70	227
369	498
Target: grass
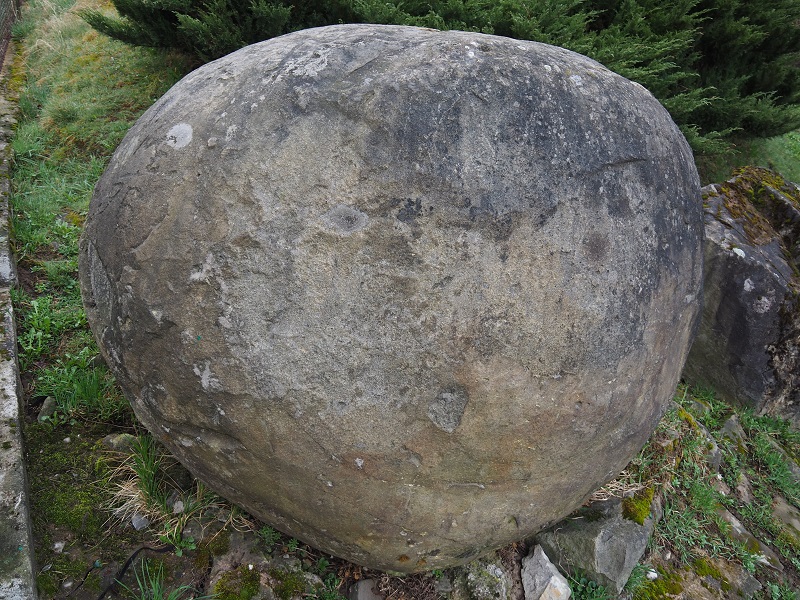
676	461
150	586
781	154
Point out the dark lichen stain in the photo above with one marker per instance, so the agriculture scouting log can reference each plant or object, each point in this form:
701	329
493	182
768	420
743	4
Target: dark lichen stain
596	246
409	212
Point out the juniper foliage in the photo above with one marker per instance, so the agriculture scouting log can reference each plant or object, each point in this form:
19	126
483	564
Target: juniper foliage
725	69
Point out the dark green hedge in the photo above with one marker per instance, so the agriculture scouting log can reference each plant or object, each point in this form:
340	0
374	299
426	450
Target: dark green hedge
723	68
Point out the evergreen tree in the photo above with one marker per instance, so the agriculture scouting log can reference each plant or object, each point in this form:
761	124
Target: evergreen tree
723	68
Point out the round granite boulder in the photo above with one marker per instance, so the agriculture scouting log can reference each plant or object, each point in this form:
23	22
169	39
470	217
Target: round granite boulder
406	295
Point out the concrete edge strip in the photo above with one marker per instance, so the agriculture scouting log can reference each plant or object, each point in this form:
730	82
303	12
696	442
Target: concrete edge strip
17	562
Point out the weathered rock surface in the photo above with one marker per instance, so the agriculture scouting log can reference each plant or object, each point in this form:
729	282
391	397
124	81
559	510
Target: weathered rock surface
406	295
599	542
364	590
740	533
541	579
748	345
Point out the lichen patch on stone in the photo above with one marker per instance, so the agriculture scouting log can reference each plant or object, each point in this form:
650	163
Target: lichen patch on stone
179	136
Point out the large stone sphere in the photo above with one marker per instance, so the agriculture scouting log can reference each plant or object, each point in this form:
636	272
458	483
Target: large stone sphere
405	295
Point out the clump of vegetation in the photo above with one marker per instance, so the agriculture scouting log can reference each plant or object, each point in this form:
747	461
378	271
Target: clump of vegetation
150	585
584	588
287	583
239	584
666	585
637	507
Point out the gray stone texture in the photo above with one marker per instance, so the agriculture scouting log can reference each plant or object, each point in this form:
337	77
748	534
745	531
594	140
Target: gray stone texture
540	578
365	589
406	295
748	345
739	533
599	542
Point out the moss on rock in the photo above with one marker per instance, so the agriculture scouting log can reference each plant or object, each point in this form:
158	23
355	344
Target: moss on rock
636	508
240	584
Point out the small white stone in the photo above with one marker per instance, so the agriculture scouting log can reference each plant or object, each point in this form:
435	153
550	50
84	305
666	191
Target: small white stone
67	440
652	575
58	547
739	252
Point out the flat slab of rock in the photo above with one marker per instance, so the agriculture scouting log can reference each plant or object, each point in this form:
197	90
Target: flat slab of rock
406	295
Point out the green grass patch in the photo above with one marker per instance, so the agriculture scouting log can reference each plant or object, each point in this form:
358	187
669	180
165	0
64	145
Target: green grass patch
781	154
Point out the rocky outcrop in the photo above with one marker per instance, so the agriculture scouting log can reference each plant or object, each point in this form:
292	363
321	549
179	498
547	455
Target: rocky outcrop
748	345
600	541
406	295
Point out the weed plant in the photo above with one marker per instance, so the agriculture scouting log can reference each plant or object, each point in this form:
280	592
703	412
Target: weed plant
150	586
584	588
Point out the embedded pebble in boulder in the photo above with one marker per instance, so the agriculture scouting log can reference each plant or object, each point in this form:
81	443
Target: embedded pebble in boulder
405	295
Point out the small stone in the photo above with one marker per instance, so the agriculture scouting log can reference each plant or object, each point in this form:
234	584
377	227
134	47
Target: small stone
600	542
48	409
788	517
486	580
443	585
540	578
739	533
119	442
700	407
58	547
733	432
719	484
794	468
366	589
139	522
743	489
713	453
652	575
177	508
67	440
